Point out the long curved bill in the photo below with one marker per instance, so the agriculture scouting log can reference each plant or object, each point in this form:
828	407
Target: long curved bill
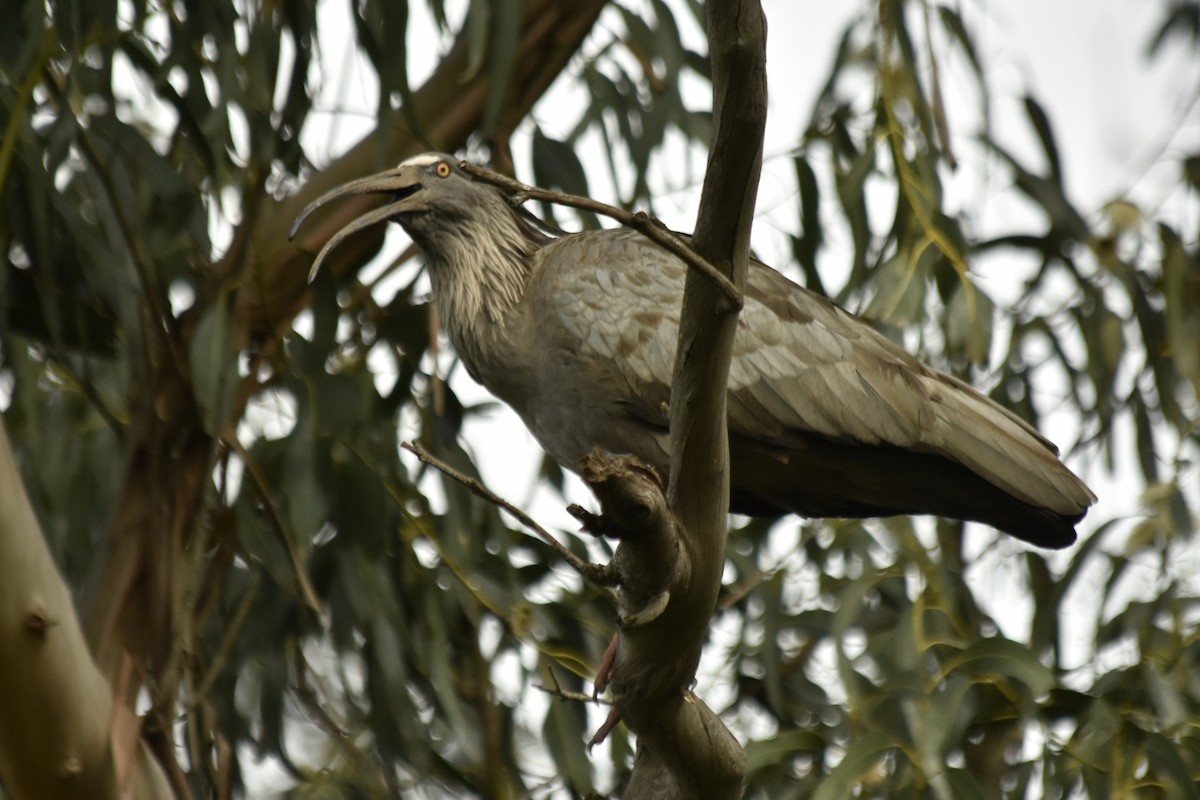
392	181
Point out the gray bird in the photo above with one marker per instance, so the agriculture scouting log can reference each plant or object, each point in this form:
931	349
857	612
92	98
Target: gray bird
827	418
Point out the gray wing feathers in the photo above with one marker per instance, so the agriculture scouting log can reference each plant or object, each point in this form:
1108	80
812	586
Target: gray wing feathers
801	365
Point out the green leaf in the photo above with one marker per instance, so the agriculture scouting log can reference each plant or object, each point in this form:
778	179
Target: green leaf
900	288
966	786
1093	741
780	748
984	659
954	23
1165	758
1181	294
564	732
460	717
213	362
806	246
862	755
1041	124
773	618
1183	20
503	31
259	540
969	322
556	166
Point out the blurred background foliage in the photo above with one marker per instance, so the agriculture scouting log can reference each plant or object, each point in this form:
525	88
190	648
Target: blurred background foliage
342	624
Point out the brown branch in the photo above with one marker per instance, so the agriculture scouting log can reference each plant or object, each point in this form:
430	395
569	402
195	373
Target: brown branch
650	227
566	694
684	750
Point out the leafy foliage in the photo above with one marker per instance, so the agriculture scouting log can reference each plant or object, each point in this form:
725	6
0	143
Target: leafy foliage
375	632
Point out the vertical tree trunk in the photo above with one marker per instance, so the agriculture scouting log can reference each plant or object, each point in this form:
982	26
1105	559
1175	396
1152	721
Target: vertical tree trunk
57	738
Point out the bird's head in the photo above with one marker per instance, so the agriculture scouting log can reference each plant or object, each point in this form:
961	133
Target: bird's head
429	195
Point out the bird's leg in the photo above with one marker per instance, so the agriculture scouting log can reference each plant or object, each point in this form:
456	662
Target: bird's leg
604	674
608	662
645	563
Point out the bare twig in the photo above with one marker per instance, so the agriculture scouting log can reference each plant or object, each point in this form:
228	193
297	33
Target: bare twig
645	224
939	106
566	694
89	392
240	615
417	528
593	573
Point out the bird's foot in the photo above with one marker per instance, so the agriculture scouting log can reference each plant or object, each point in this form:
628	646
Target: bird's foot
651	611
604	672
600	735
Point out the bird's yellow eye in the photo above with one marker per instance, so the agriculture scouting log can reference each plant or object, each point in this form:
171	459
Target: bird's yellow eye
443	169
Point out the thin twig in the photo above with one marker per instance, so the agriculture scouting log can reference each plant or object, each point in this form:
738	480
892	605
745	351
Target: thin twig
417	528
567	694
284	530
645	224
228	639
89	392
593	573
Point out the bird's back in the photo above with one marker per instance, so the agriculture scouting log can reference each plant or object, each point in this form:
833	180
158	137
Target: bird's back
826	416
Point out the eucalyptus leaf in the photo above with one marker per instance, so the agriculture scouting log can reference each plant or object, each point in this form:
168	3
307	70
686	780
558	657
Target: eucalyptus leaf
213	364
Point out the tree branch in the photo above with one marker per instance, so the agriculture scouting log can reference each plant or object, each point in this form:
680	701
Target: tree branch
59	712
593	573
649	226
684	751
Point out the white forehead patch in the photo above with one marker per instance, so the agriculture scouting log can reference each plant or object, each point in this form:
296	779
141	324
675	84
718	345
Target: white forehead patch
424	160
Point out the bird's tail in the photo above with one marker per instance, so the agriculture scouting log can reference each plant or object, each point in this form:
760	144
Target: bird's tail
975	461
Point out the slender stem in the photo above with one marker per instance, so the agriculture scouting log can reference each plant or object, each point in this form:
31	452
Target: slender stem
307	593
592	572
650	227
566	694
229	638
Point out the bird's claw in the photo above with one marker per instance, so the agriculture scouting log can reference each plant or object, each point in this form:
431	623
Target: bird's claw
602	733
651	611
604	671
